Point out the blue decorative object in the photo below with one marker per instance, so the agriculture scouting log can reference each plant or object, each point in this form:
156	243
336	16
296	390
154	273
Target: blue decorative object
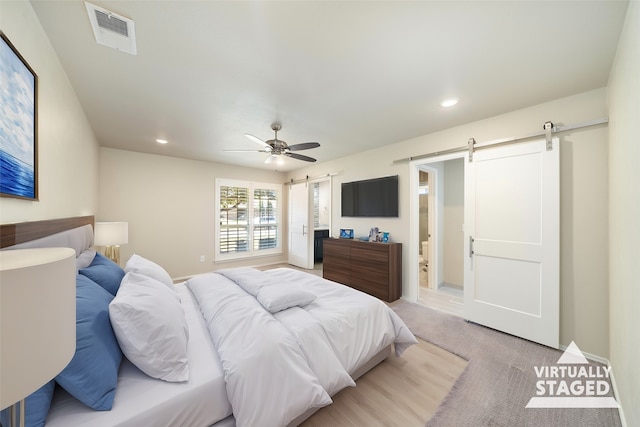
346	233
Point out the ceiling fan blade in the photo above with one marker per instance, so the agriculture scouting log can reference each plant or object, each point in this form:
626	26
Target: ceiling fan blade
304	146
256	139
245	151
300	157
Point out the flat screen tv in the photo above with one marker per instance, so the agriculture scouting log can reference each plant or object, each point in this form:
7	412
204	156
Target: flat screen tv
376	197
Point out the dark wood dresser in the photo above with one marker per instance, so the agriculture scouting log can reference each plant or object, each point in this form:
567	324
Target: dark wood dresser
374	268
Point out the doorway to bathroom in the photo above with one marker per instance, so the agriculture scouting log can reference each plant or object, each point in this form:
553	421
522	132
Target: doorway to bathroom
439	209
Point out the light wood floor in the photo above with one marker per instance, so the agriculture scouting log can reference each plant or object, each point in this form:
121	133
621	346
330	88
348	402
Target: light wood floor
448	299
401	391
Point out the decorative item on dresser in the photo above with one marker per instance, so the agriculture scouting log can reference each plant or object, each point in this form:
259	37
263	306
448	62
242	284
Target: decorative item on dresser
374	268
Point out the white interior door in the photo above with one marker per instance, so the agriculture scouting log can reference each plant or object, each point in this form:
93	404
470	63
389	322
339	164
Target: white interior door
512	235
300	236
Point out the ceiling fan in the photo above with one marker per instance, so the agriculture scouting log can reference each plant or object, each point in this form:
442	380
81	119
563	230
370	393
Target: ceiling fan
276	147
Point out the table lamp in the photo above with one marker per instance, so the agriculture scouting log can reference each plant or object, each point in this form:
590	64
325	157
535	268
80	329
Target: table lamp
37	320
111	235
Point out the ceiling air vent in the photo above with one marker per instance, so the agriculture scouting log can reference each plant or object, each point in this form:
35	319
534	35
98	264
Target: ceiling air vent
111	29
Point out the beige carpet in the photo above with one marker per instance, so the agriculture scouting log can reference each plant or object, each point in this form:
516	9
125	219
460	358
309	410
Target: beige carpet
500	377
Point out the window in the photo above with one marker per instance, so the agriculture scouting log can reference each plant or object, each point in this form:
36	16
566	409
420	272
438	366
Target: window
249	218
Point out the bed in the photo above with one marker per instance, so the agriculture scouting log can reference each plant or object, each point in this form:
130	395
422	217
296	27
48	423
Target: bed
262	348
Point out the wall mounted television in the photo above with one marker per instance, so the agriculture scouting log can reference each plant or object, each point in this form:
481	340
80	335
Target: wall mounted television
376	197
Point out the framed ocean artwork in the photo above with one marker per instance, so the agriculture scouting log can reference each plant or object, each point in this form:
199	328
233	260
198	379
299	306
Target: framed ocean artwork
18	124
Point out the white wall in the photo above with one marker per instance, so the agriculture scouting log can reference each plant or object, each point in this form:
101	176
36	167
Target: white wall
67	148
624	212
584	217
169	205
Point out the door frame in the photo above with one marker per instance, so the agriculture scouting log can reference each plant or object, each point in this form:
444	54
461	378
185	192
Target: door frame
311	233
435	240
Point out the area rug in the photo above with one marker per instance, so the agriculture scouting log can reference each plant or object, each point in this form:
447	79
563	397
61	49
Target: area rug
500	377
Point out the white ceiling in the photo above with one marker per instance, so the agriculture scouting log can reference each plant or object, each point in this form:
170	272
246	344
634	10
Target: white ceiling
350	75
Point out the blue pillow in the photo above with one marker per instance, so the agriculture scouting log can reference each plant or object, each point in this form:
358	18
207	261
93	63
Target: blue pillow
36	407
105	273
92	375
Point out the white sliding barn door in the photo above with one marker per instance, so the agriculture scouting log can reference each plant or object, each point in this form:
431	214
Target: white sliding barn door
512	230
300	236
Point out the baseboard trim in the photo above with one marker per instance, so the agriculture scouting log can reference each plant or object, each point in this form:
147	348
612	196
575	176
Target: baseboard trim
590	356
614	385
450	285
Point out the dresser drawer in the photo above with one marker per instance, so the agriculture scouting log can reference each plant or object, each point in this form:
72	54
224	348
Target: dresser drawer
374	268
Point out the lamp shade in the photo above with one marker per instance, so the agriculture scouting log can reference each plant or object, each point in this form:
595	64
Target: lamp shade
111	233
37	319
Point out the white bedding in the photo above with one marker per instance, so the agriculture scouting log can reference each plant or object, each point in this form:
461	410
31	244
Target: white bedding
144	401
272	374
269	380
358	325
354	325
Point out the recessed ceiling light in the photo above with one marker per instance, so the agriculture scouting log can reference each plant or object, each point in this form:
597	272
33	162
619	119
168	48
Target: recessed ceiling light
450	102
161	141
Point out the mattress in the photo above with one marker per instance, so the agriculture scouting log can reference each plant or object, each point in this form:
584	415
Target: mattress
144	401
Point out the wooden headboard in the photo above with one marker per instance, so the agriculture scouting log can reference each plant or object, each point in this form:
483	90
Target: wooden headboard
12	234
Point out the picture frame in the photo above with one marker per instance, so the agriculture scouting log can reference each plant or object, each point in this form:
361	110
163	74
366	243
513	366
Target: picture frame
346	233
18	124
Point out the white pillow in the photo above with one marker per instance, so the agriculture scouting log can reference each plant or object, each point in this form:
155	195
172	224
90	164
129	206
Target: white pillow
278	298
138	264
151	328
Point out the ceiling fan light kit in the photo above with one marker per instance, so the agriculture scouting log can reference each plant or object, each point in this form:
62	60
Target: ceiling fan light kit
276	147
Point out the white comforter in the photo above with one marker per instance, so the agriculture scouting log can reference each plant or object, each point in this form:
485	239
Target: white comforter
278	366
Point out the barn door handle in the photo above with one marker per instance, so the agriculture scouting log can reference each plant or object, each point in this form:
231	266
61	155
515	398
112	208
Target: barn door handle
303	229
471	246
